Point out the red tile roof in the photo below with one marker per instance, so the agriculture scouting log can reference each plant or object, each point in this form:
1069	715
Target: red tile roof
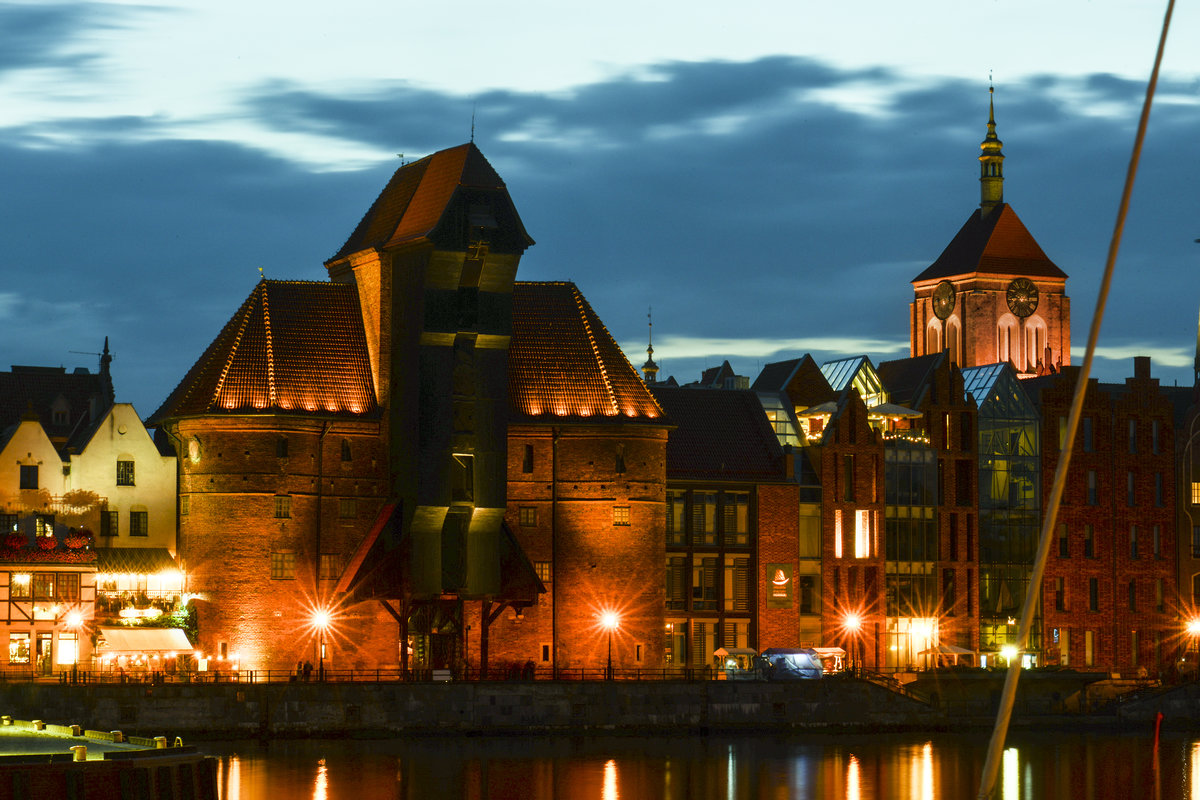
564	365
293	347
414	201
998	244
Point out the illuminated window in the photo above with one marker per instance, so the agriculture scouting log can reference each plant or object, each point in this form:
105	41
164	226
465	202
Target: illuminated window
19	586
704	584
283	565
43	586
330	566
347	508
735	507
185	504
837	533
862	534
18	648
704	517
676	517
68	586
620	515
529	517
109	523
544	571
676	583
1196	493
737	583
139	523
124	473
44	524
283	506
68	642
29	476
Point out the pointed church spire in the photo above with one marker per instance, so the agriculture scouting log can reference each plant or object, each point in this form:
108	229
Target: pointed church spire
650	369
991	163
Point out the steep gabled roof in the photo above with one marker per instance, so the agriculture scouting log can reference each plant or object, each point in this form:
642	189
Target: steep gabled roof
293	347
43	388
995	244
416	198
907	379
563	364
720	433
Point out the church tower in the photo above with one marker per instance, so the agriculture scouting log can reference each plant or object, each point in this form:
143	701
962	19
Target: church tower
993	296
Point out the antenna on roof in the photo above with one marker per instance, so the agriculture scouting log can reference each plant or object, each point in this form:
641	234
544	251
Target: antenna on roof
261	274
472	122
401	157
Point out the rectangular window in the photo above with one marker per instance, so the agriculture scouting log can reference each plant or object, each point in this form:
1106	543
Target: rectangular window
283	506
109	522
281	447
1133	542
1158	596
347	456
283	565
1060	594
1089	436
543	570
19	586
1196	493
528	516
704	584
1089	648
347	508
1062	432
1133	435
1196	541
68	586
966	435
330	566
527	459
43	524
1133	595
808	594
954	537
737	583
1064	541
8	523
1158	489
676	517
862	534
29	476
677	583
1089	541
1093	594
620	516
139	523
1130	497
837	533
124	473
43	586
185	504
18	648
1154	437
735	513
948	592
848	477
704	517
1091	487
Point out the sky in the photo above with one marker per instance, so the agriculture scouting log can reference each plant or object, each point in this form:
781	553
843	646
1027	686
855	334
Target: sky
767	177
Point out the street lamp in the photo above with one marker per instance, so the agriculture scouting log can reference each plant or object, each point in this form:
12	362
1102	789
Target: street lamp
321	620
611	621
852	622
74	623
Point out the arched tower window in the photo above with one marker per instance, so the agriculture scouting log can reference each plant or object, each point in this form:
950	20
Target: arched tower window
1008	343
1035	345
933	337
954	341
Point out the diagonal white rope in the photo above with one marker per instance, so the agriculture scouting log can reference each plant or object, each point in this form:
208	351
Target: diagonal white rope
991	766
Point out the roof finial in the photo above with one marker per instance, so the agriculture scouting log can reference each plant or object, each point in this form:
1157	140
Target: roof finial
991	161
261	274
650	369
472	123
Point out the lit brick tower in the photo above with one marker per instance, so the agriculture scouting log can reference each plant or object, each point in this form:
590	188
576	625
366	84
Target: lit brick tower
993	295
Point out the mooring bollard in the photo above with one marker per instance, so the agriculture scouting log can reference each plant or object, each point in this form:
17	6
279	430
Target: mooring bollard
118	737
80	752
160	743
38	725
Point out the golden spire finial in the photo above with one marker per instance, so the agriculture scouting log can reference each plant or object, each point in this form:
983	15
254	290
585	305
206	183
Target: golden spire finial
991	160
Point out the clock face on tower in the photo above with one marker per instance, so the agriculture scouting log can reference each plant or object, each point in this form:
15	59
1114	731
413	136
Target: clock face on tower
943	299
1022	297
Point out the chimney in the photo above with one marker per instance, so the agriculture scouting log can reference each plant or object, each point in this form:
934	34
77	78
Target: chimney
1141	367
789	462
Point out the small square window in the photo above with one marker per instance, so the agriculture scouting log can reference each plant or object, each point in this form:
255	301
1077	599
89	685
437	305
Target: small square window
139	523
528	517
620	515
331	566
283	565
124	473
347	508
109	522
283	506
185	504
543	570
44	524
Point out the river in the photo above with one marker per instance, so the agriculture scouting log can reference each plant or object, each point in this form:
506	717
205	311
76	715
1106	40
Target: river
1036	766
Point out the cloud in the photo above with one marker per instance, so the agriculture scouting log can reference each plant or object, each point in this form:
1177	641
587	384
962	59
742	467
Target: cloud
763	209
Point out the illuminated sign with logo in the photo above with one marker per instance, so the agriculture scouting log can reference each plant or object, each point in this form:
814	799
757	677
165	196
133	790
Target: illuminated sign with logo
779	585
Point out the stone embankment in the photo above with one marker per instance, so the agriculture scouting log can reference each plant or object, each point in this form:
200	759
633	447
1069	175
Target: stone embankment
397	709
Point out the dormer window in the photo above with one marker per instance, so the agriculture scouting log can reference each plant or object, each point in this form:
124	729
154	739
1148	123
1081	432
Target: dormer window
124	473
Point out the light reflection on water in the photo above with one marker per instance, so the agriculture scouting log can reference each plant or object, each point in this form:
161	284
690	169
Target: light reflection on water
1044	766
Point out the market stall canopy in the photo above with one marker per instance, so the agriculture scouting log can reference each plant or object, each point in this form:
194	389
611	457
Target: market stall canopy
143	640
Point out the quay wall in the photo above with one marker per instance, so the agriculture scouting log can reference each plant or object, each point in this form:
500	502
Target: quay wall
498	707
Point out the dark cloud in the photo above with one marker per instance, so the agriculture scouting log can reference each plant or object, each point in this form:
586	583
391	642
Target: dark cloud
39	36
739	200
